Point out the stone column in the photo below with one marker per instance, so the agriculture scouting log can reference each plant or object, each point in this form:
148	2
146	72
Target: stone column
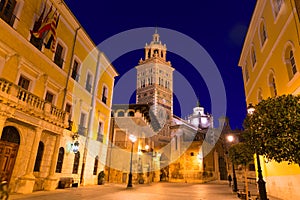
26	182
51	180
216	165
2	122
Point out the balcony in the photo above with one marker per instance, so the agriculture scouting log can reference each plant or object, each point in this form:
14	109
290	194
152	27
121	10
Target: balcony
15	97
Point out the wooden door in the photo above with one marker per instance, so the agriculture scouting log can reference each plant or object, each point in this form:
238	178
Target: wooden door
8	154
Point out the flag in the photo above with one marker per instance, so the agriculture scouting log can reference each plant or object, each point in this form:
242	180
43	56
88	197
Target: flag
52	38
41	26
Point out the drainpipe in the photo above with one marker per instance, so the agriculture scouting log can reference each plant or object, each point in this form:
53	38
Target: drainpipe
91	116
70	69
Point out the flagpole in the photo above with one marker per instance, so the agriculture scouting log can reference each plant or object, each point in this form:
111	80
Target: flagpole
70	68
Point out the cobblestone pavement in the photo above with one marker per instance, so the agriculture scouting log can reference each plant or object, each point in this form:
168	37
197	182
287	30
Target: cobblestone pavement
155	191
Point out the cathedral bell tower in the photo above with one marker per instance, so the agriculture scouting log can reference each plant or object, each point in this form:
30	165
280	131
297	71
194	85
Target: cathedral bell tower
155	80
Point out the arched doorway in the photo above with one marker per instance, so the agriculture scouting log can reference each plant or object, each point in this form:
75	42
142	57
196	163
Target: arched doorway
164	168
9	145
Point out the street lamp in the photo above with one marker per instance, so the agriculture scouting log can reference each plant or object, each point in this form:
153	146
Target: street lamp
132	138
231	138
261	183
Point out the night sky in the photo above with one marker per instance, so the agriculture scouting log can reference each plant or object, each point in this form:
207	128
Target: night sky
218	26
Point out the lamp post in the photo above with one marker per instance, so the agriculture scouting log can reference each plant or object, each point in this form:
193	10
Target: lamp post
261	183
230	138
132	138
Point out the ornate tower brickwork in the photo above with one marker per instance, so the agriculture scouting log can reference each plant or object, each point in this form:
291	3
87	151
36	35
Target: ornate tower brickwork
155	80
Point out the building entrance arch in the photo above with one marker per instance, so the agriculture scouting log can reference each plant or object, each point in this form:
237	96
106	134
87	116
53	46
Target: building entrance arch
9	146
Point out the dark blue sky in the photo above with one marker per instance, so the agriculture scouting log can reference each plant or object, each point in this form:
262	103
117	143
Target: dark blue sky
218	26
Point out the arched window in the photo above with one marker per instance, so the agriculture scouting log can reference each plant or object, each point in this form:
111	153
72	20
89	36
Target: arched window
60	160
277	4
39	157
293	63
120	114
246	73
76	163
130	114
96	165
272	85
290	62
262	33
253	57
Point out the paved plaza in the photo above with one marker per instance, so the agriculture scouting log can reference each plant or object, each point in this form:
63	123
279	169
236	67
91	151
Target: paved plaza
218	190
155	191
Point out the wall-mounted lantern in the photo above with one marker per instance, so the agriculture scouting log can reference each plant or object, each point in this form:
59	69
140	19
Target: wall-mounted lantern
75	144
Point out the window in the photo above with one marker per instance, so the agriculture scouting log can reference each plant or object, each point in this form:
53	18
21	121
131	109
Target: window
49	97
130	114
37	42
262	33
100	132
176	143
82	122
24	82
246	73
39	157
68	109
293	63
104	94
277	4
58	58
96	165
121	114
290	61
60	160
272	85
75	70
6	11
253	57
76	163
192	153
88	84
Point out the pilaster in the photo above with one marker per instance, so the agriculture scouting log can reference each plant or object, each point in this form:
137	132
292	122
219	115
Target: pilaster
51	180
2	122
26	182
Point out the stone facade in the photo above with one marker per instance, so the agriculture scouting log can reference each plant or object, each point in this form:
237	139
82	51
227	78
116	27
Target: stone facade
50	95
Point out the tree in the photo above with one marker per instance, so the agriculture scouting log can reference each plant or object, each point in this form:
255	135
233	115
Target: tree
274	128
242	154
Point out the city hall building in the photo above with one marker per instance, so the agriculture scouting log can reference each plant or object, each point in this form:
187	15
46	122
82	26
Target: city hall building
55	98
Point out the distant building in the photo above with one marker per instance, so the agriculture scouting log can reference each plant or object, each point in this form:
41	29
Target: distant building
182	150
55	97
270	64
